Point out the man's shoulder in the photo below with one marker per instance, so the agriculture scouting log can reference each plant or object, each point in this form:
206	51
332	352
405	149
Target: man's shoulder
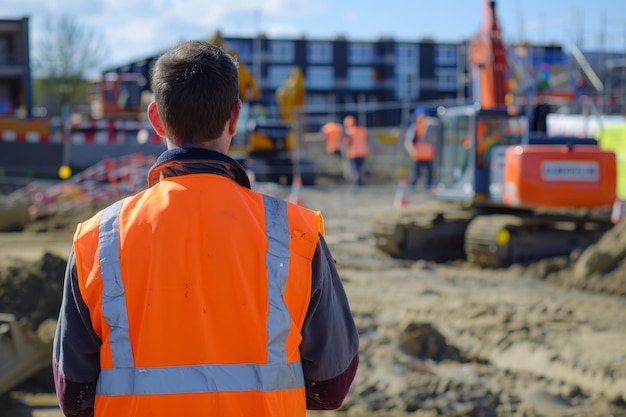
92	223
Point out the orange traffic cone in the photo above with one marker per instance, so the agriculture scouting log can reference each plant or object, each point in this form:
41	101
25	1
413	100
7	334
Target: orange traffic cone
296	191
619	211
401	199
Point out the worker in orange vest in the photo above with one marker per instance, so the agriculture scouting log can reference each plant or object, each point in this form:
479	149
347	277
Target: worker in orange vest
419	142
199	296
488	135
357	148
332	133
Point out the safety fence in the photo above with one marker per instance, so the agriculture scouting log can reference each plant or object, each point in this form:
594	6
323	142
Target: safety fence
84	132
105	182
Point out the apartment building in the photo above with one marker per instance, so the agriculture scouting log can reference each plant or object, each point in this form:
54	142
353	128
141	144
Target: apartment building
15	77
343	74
348	75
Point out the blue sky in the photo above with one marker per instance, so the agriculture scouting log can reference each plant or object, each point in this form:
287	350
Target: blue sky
136	29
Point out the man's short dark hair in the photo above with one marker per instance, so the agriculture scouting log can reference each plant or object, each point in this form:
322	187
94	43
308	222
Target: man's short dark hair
195	86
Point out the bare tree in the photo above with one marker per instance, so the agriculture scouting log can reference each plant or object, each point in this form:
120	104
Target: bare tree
65	54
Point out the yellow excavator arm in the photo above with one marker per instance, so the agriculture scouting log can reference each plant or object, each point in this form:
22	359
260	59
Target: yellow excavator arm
291	95
248	88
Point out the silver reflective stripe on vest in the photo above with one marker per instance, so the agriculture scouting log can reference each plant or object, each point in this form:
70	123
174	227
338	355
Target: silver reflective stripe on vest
125	379
200	378
113	298
277	261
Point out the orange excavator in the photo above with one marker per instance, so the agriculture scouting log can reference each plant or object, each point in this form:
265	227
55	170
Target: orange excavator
504	195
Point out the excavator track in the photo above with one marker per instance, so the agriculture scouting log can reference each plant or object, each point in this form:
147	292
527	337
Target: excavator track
431	231
487	239
444	231
500	240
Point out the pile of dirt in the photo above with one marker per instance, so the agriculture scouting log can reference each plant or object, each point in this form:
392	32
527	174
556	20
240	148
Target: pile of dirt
601	268
32	290
424	340
65	220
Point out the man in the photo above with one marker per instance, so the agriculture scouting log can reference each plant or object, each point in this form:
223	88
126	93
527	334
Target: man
419	143
198	296
488	135
357	148
332	133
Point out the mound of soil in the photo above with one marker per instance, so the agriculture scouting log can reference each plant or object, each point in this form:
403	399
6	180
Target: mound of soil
601	268
32	290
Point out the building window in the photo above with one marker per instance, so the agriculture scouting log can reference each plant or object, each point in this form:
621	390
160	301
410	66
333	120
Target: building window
360	53
320	77
446	79
360	78
320	52
281	51
407	85
407	56
445	55
317	100
407	80
243	49
4	51
277	75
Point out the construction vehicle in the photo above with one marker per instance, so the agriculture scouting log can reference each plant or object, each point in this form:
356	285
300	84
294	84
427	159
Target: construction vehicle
23	352
503	195
266	137
266	142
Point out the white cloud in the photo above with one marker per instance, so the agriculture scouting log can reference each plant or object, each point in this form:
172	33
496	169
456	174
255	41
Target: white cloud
136	29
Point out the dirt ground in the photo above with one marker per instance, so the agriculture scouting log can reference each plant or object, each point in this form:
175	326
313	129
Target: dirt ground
436	340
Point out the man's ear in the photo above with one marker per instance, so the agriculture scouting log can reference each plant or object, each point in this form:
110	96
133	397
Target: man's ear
235	112
155	120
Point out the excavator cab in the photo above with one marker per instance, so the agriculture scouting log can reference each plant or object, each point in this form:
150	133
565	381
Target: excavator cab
471	151
258	131
263	143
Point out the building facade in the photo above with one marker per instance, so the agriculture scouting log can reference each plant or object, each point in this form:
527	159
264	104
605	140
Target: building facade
342	76
344	72
15	76
378	79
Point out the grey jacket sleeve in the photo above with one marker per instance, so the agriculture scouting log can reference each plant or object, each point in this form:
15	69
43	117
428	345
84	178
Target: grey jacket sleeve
330	341
76	353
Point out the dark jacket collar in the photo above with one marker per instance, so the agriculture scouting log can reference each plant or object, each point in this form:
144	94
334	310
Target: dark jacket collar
184	161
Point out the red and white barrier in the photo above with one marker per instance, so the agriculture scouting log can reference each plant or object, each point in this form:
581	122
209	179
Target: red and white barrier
102	183
88	132
31	137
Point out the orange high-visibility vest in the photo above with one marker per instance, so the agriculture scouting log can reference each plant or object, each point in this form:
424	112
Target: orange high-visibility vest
422	150
332	136
198	289
421	125
357	143
485	138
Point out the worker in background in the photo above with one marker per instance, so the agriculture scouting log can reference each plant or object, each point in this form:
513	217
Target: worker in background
419	142
199	296
488	135
357	148
332	133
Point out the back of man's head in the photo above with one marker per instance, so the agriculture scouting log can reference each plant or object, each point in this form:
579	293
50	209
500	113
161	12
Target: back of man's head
195	86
